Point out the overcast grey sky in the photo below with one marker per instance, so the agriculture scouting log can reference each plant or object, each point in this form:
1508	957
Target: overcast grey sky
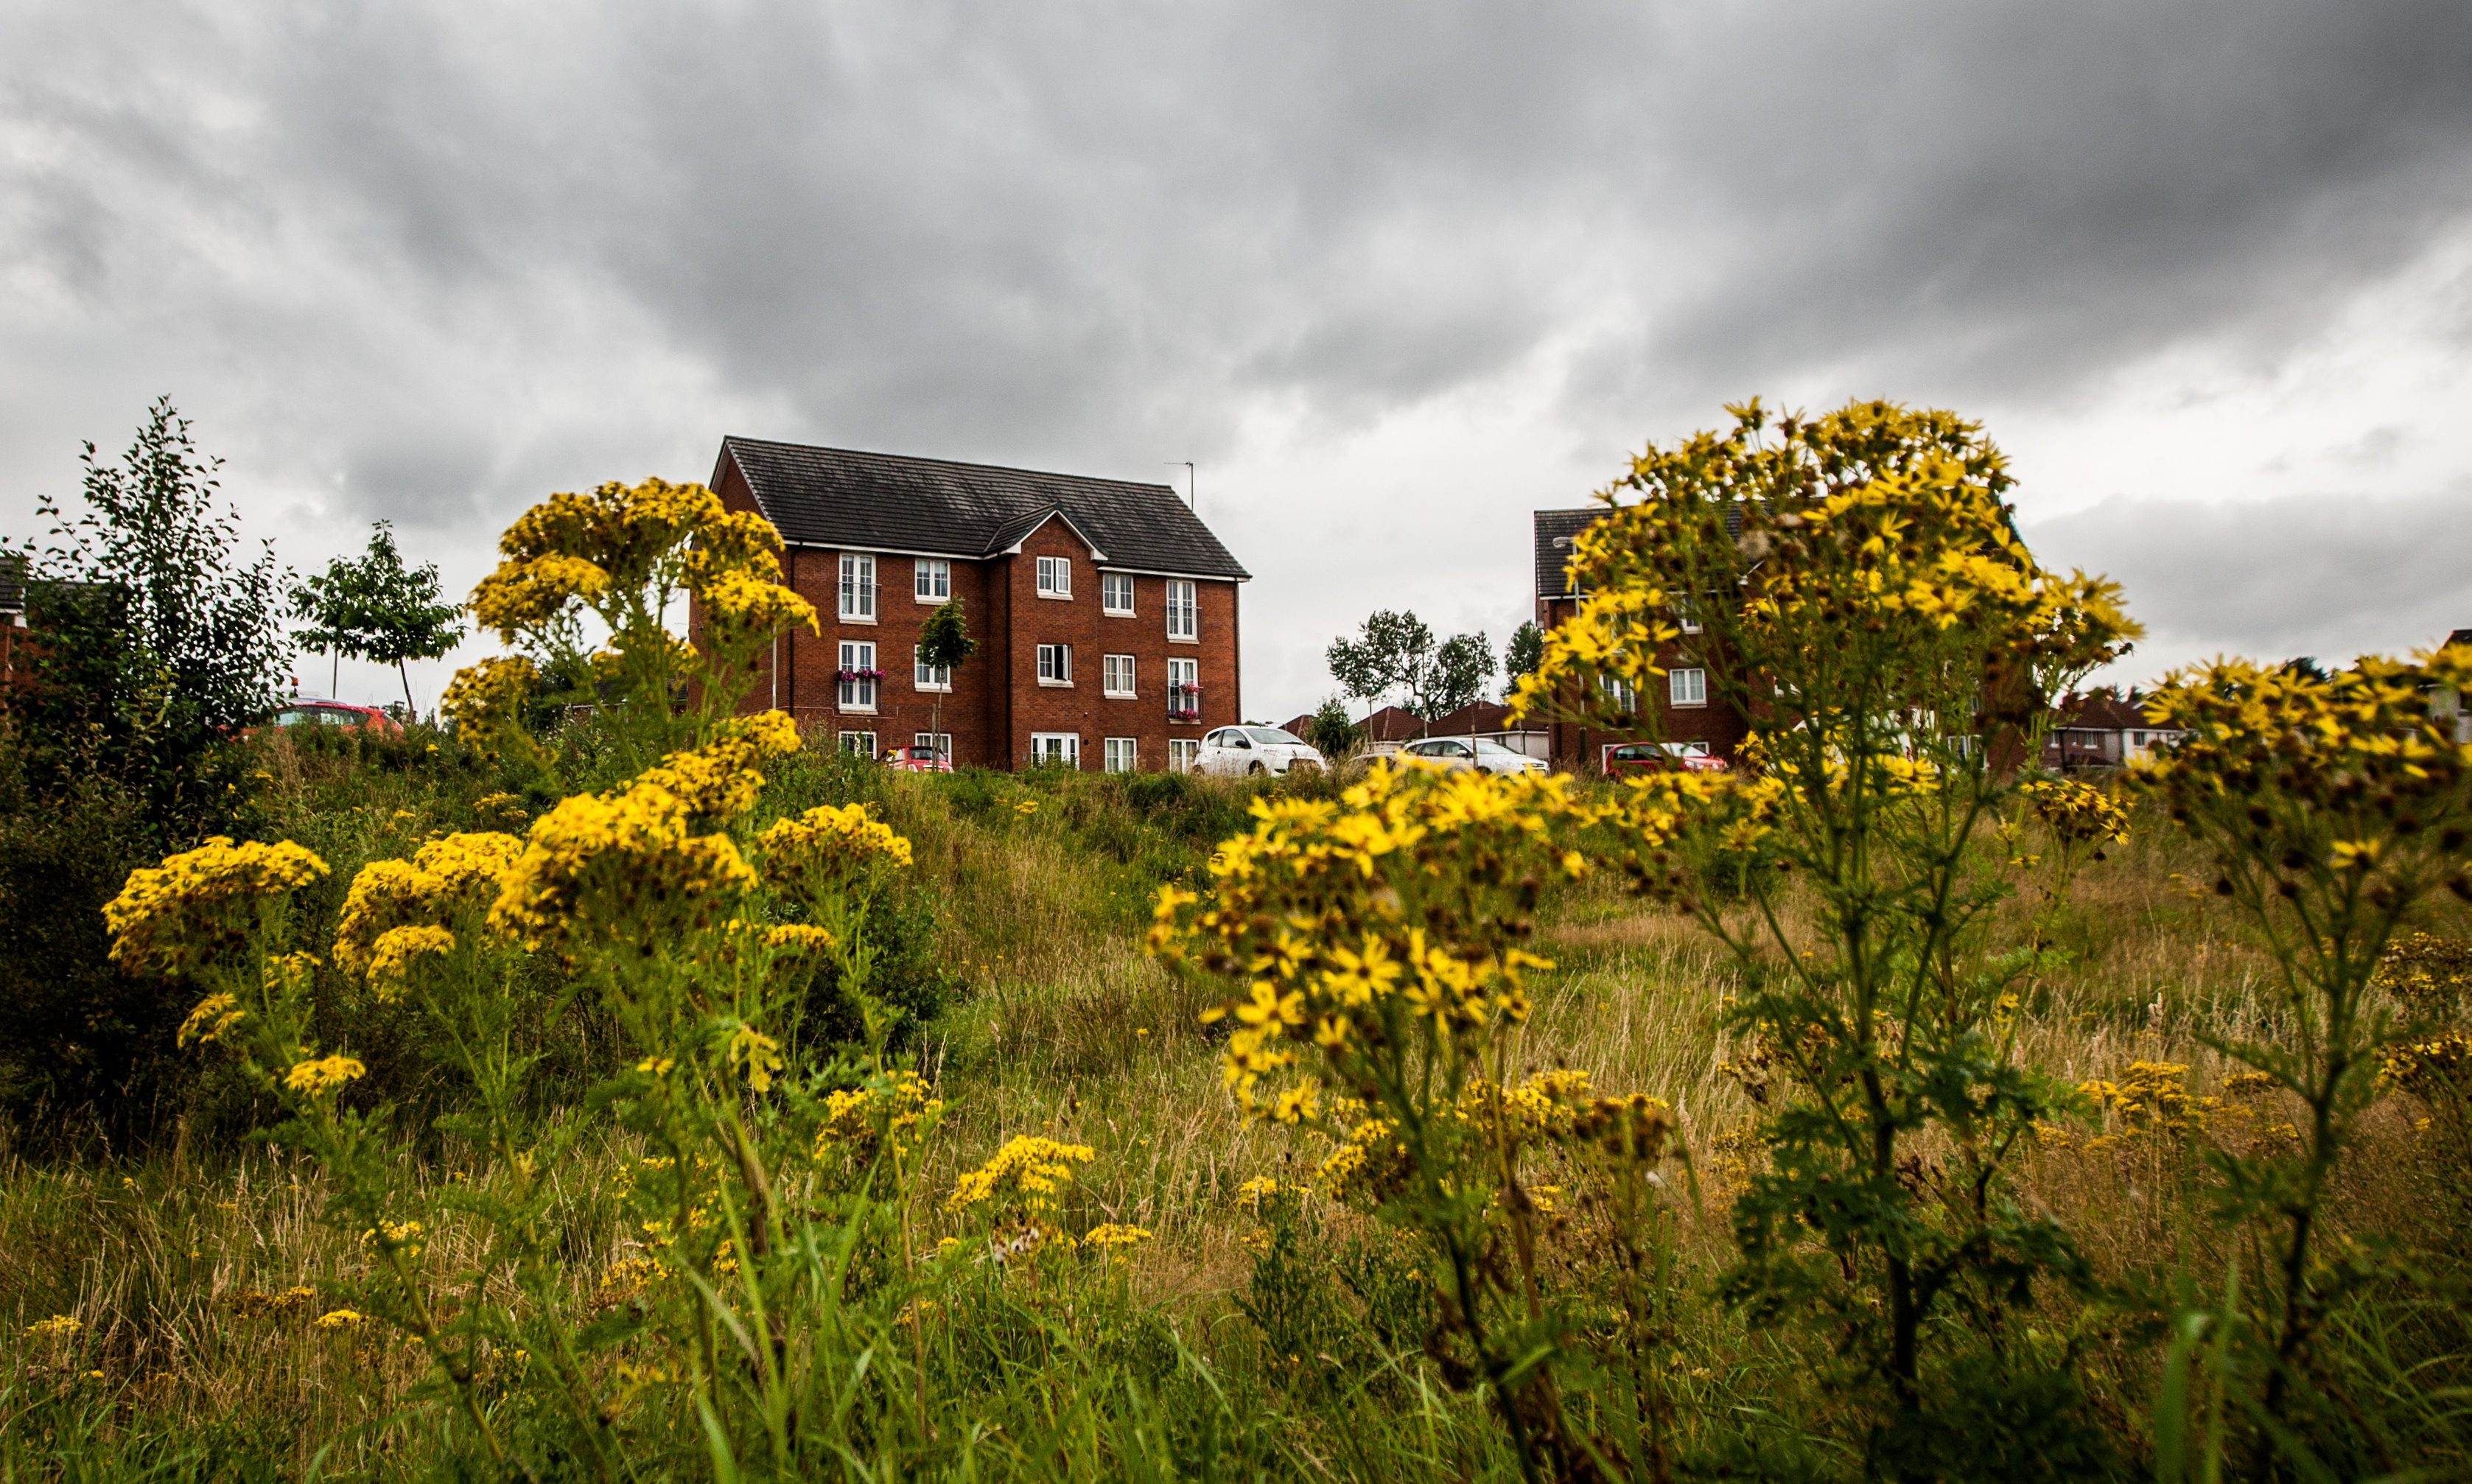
1393	275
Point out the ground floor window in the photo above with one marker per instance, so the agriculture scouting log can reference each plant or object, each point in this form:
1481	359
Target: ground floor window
861	743
1182	753
1121	753
940	741
1056	746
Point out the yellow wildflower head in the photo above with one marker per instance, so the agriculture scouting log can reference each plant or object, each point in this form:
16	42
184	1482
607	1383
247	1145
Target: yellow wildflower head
619	871
391	962
1028	1172
317	1077
826	848
202	905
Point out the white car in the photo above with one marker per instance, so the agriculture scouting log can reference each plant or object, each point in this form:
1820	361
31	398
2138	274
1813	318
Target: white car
1232	751
1457	752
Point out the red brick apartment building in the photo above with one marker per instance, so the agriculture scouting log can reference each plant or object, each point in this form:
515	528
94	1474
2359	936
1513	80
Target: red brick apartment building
1687	704
1104	610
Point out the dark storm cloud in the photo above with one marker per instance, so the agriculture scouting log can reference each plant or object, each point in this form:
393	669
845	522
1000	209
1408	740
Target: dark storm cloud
2332	576
428	258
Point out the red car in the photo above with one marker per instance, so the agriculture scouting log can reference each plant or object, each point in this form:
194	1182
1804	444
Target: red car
300	711
1649	756
917	759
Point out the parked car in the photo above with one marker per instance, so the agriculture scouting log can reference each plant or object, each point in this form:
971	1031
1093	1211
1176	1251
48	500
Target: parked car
917	759
1457	752
1653	757
302	711
1231	751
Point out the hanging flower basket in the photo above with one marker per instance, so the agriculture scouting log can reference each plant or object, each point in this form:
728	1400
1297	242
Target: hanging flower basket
858	675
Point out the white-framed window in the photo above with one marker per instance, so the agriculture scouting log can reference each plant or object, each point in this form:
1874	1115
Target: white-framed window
1055	664
1064	747
1121	755
858	676
1183	611
1619	693
1686	687
1686	612
940	741
1055	577
929	677
1116	593
1183	752
861	743
932	578
858	588
1184	690
1116	674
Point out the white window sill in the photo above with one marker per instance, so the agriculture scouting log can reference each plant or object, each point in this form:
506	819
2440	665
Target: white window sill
856	710
1056	597
1118	612
1686	706
925	601
1057	684
858	618
1119	695
1175	639
933	690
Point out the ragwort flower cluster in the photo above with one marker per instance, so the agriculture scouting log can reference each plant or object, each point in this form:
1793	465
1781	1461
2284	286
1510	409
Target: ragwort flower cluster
626	867
1754	557
1393	921
399	910
201	907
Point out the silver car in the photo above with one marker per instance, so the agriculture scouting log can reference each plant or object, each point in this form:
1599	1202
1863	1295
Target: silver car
1455	753
1231	751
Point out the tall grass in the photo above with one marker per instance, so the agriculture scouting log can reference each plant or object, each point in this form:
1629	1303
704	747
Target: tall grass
198	1270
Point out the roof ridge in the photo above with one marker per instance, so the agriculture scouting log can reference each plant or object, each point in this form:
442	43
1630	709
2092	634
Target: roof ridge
962	464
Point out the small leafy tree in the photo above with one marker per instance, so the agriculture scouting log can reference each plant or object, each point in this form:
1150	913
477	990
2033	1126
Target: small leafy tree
945	643
157	640
1332	731
1522	654
1461	669
1396	654
377	608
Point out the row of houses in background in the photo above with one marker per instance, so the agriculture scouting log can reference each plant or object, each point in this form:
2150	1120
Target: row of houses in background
1106	615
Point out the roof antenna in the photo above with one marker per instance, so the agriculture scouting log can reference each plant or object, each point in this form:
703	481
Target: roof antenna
1191	486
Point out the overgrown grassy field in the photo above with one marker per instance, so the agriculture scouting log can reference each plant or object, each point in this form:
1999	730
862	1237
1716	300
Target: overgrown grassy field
1245	1337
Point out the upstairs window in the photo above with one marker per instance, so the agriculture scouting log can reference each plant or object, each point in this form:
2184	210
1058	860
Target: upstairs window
1184	690
1686	687
1116	674
1183	611
858	588
1116	593
1619	693
1055	664
858	676
1055	576
929	677
934	579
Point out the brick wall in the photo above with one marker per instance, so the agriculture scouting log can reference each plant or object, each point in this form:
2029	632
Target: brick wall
1578	749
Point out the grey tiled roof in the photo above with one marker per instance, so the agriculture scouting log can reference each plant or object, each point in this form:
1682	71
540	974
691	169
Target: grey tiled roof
889	502
1555	529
